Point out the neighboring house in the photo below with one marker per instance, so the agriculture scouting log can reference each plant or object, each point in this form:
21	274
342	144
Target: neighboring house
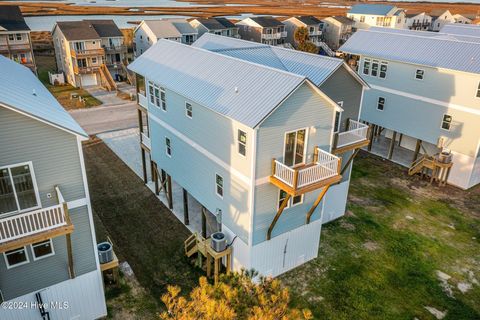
47	236
425	95
219	26
89	52
149	32
337	30
418	21
312	24
267	30
461	19
252	142
440	18
15	41
377	15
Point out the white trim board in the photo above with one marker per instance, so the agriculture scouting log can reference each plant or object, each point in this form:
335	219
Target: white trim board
428	100
246	180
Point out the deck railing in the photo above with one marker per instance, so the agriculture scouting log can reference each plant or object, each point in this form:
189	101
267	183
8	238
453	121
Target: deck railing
357	132
142	100
87	52
145	140
325	166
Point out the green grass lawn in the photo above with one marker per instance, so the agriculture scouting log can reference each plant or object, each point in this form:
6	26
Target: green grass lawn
63	93
381	260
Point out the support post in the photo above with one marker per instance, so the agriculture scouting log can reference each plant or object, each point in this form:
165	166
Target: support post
204	223
400	139
170	195
186	219
392	145
71	270
155	177
144	166
279	213
417	150
371	135
316	203
349	161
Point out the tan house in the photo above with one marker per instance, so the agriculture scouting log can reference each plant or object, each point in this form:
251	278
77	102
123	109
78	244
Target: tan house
15	41
90	52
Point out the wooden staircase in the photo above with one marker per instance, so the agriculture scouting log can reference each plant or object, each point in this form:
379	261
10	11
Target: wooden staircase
130	74
430	167
107	79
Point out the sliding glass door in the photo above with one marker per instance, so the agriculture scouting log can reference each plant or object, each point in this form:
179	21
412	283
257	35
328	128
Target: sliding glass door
294	150
18	191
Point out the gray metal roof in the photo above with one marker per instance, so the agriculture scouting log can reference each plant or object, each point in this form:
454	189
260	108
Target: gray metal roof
25	93
437	35
433	51
315	67
170	28
470	30
374	9
237	89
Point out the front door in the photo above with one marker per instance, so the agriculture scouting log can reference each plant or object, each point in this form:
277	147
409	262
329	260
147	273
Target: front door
294	150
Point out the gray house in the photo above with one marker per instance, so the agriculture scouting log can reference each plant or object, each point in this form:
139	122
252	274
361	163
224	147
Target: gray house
257	135
219	26
47	237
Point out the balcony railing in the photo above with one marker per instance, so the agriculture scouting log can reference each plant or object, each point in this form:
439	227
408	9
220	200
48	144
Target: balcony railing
356	134
87	52
28	227
145	140
283	34
116	49
315	33
323	170
142	100
270	36
85	70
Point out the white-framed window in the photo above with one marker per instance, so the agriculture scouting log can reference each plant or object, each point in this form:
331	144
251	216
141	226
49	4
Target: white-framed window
188	110
43	249
16	257
297	200
168	147
11	37
383	69
19	36
18	188
94	60
478	91
419	73
338	118
446	122
151	92
366	66
381	103
219	185
294	201
374	68
164	99
157	95
242	142
294	150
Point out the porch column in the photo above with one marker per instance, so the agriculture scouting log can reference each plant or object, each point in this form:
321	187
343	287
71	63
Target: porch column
170	195
417	150
71	270
204	223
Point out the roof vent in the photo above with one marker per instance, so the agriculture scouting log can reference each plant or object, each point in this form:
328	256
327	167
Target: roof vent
236	89
34	93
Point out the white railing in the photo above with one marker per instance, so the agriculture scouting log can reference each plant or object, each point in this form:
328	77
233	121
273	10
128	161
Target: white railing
283	34
315	33
357	132
28	223
142	100
146	140
325	166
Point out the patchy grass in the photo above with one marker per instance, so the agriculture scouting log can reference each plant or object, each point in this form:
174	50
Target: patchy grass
63	93
384	264
143	231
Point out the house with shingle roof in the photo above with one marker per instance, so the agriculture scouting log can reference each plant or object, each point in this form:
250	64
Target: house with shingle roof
263	29
379	15
425	97
15	41
217	25
47	234
254	137
90	52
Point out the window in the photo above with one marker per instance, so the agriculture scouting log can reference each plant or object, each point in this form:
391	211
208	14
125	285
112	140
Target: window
366	66
362	18
11	37
16	257
381	103
94	60
281	196
42	249
374	68
478	90
168	147
297	200
157	95
19	36
219	185
419	74
338	116
18	190
150	92
292	202
446	121
383	70
188	110
163	98
242	143
294	149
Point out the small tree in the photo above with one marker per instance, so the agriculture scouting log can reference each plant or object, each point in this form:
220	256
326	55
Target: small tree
303	42
236	296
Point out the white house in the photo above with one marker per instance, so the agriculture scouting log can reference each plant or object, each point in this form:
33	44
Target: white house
148	32
379	15
440	18
418	21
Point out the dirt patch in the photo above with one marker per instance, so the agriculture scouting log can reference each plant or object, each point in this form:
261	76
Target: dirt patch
371	246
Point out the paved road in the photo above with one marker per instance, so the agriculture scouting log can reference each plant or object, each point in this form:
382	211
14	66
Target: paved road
107	118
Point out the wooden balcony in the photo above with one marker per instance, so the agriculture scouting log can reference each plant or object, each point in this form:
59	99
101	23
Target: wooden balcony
323	171
34	226
355	137
116	49
12	48
85	70
87	53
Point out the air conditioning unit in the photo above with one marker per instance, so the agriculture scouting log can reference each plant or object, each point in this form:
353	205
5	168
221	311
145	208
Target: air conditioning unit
219	241
105	252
